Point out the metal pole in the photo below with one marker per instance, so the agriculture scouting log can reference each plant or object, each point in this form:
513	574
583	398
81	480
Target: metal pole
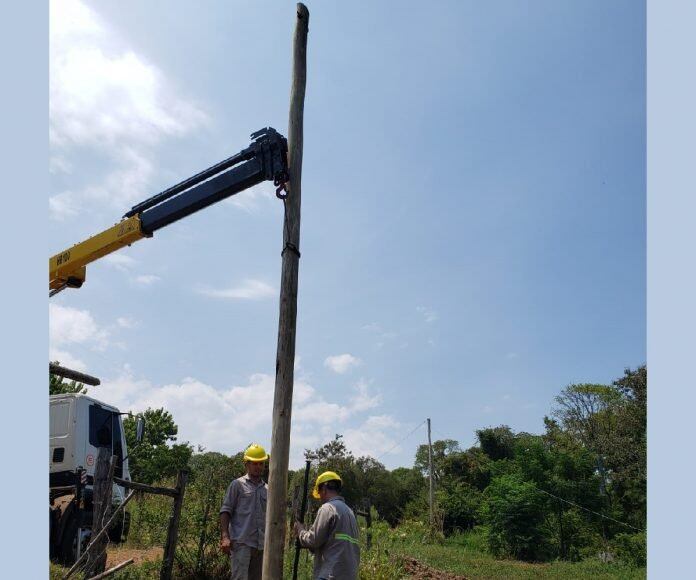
285	358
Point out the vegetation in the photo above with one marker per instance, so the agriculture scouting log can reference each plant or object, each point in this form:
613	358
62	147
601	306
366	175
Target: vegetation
567	503
157	456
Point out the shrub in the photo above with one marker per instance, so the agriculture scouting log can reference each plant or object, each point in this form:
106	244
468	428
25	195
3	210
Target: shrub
515	513
630	548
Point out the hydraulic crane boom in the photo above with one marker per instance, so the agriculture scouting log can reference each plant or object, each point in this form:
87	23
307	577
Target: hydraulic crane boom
265	159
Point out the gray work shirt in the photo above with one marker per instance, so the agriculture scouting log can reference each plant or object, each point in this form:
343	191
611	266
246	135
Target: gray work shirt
334	539
245	501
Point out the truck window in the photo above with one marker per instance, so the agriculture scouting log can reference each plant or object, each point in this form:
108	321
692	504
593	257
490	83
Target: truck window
59	419
100	427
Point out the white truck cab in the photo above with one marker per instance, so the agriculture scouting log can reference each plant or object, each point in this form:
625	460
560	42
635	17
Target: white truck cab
79	426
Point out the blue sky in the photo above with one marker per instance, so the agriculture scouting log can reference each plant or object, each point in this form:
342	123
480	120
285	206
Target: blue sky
473	220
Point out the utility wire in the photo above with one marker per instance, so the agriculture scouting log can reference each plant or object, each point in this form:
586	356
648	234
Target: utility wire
401	440
589	510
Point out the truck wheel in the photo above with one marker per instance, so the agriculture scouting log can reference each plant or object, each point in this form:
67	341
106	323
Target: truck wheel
67	550
117	531
126	525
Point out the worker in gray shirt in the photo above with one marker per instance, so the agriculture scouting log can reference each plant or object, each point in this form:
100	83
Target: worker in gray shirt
243	517
333	536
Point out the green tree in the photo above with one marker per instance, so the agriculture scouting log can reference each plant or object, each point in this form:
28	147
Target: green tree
157	456
626	454
460	503
515	512
441	449
588	413
496	442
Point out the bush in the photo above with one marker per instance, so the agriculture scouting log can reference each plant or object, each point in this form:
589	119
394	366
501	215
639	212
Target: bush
630	548
460	503
515	512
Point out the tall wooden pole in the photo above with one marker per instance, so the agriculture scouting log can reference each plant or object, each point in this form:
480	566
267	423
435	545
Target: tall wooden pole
430	472
285	358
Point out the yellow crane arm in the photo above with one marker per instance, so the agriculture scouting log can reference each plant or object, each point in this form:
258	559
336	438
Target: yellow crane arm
68	268
265	159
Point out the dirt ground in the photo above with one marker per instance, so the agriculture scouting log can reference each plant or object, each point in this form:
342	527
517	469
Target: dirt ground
116	555
418	571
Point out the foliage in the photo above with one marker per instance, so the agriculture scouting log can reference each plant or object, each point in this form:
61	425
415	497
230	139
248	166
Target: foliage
460	503
441	450
514	511
496	442
514	495
631	548
156	456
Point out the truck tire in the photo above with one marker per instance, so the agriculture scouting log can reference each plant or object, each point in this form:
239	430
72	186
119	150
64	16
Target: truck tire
67	549
118	531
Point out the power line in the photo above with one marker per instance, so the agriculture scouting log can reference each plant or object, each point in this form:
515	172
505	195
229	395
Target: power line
401	440
588	510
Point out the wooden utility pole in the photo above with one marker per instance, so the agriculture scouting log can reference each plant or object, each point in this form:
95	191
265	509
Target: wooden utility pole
285	358
430	472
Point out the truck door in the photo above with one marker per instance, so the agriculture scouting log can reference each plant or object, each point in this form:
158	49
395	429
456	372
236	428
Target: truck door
105	431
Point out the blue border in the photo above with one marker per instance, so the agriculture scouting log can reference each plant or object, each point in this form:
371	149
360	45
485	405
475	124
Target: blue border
671	286
24	425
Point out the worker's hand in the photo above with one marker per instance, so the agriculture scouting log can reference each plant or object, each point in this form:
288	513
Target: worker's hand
226	545
298	527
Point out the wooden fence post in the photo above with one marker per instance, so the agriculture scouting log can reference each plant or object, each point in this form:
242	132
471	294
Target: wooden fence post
101	506
173	530
368	520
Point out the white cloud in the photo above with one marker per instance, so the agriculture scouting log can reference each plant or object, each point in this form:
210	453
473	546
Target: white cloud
428	313
63	206
101	92
511	355
67	360
373	436
248	290
122	262
126	322
106	98
146	279
73	326
341	363
379	333
363	400
228	418
249	199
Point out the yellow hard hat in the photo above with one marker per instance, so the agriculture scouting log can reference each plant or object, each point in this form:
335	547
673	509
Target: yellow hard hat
255	453
323	478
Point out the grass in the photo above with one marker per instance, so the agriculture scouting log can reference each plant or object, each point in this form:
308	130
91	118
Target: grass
466	554
463	554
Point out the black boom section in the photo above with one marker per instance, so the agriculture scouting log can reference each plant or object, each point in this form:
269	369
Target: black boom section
265	159
200	196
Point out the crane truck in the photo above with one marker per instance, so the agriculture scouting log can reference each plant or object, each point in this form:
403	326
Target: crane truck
80	425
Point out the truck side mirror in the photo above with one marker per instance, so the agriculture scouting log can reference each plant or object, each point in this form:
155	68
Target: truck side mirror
140	429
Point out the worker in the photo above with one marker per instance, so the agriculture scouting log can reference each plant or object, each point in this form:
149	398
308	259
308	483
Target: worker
243	517
333	536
